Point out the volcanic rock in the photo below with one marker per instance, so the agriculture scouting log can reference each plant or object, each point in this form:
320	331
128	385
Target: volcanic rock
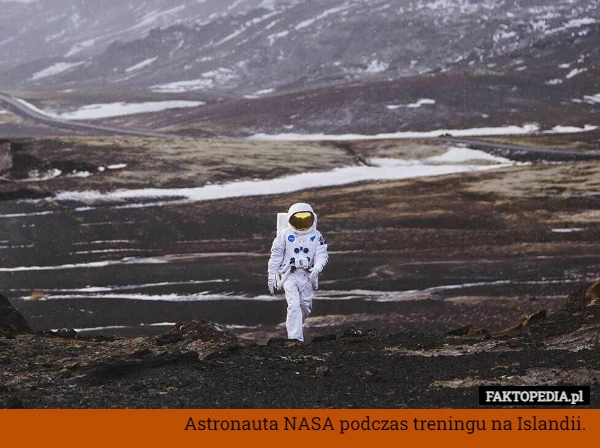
586	297
11	320
196	329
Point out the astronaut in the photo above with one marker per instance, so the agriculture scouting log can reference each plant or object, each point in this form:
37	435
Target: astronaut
298	255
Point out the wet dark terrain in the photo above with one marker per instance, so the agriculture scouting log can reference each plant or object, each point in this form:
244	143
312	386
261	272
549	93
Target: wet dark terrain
164	303
427	254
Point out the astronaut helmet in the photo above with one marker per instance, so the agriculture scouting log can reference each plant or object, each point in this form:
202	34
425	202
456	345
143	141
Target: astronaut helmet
302	218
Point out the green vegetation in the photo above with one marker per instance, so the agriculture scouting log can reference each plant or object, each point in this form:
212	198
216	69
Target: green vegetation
183	162
579	141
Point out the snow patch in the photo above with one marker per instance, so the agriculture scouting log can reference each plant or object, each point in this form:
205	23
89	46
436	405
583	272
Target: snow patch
184	86
456	160
201	296
576	23
590	99
575	72
94	264
508	130
56	69
121	327
568	230
377	67
207	81
273	37
459	154
81	46
305	24
415	105
570	129
95	111
420	103
141	65
117	166
259	93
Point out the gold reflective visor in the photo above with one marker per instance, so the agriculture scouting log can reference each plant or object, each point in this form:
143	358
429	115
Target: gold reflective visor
302	220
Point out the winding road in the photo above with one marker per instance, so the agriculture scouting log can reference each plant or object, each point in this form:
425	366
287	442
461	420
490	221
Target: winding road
525	153
24	110
513	152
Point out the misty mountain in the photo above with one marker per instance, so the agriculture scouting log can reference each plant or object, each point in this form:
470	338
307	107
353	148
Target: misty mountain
548	51
76	29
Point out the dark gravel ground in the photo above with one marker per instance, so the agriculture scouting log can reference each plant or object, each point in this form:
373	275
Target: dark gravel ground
200	365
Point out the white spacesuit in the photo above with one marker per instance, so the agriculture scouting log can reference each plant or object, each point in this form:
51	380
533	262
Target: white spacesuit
298	255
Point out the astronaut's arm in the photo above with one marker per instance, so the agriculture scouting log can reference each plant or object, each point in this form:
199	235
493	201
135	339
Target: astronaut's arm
275	261
277	254
321	258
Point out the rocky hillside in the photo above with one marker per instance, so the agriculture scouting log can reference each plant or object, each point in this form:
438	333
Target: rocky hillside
257	47
320	66
81	28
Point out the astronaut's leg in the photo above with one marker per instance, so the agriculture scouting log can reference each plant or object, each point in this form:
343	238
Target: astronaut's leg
306	295
294	320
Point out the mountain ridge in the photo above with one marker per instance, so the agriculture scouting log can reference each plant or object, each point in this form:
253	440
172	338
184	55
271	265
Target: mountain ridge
318	43
252	50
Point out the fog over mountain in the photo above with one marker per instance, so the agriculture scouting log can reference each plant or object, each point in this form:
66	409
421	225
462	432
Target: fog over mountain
525	59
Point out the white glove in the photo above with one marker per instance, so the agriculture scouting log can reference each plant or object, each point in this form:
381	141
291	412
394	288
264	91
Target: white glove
271	283
315	271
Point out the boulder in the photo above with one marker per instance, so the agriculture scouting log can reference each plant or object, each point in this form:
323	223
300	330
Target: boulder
11	319
586	297
527	321
196	329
